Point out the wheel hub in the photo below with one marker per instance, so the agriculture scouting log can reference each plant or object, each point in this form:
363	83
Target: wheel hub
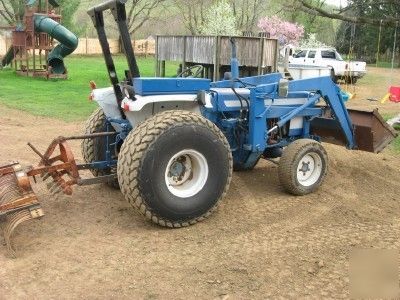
309	169
186	173
305	167
180	170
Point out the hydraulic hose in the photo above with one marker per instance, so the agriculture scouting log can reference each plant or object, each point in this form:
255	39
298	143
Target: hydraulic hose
68	42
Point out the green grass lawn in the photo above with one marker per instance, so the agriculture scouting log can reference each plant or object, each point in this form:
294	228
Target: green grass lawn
395	145
66	99
385	64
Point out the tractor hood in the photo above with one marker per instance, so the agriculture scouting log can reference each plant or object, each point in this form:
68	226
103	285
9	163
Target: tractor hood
160	86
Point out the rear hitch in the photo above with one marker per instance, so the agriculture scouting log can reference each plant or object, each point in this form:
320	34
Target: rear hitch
19	203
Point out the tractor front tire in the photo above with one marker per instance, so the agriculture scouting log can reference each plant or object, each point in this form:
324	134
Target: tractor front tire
94	149
175	168
303	167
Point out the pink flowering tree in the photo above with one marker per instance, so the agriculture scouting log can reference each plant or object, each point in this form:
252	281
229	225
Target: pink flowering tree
286	32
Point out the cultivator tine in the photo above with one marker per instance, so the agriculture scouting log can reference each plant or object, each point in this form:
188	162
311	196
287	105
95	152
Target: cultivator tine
45	176
15	219
9	193
17	200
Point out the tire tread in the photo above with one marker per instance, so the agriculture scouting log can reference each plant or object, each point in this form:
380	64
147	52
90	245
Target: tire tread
134	150
287	163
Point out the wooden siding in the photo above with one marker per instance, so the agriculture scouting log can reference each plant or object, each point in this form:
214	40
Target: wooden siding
252	51
170	48
200	49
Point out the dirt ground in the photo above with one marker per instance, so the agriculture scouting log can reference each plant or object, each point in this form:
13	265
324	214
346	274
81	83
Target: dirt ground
374	87
261	243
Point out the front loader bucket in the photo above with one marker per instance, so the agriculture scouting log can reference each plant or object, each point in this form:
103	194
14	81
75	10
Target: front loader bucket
371	132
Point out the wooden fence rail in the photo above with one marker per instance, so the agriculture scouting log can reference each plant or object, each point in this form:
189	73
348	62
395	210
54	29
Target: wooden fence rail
91	46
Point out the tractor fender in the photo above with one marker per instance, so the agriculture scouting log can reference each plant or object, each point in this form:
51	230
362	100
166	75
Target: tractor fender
142	101
144	107
106	99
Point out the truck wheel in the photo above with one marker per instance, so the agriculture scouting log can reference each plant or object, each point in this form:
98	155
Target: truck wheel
175	168
94	149
303	167
333	76
351	80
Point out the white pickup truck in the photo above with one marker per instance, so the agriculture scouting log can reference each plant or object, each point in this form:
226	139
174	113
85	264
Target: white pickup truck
329	57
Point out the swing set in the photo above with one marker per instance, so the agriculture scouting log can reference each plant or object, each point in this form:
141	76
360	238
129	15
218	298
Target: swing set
393	94
349	83
394	91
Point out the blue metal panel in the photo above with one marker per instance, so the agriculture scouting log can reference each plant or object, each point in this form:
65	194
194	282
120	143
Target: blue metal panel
333	97
296	132
296	111
257	122
164	86
279	111
249	81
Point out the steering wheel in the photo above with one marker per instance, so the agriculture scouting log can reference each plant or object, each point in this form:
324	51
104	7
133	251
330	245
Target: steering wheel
193	71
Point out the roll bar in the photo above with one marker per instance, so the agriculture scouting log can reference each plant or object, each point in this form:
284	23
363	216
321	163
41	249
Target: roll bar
117	8
110	4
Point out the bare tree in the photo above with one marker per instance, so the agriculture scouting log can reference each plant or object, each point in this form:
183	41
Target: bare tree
387	19
141	11
248	12
12	11
193	13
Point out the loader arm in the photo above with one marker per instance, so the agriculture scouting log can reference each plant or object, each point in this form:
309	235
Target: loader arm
357	130
331	94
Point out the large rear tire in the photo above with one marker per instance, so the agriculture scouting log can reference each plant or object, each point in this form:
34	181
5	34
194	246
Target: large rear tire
303	167
175	168
94	149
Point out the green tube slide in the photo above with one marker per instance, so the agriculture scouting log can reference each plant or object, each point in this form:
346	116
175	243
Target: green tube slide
68	42
7	59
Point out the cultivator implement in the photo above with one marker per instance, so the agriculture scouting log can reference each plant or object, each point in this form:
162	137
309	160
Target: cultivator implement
18	202
57	166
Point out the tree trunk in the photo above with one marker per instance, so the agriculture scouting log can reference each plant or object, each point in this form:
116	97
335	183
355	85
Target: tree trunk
398	58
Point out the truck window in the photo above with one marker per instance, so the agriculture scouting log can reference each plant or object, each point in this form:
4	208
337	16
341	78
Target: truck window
338	56
300	54
311	54
328	54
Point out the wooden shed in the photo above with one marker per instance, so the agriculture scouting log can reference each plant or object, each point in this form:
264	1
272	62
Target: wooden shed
257	55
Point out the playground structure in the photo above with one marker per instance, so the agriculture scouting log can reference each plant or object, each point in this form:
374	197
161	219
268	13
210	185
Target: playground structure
393	95
33	50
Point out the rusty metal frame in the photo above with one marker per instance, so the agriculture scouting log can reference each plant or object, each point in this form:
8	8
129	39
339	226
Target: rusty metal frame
19	203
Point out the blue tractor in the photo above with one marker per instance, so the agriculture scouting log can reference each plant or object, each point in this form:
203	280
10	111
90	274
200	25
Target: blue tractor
171	144
177	140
